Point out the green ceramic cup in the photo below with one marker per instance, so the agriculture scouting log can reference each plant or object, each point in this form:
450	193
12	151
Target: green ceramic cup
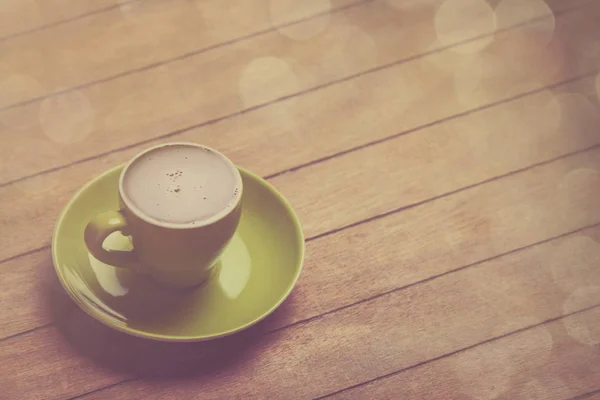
174	255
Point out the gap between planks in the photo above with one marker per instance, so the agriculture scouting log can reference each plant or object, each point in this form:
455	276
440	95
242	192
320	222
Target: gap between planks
303	92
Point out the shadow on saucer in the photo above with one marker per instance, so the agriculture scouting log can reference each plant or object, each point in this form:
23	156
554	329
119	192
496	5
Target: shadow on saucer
143	357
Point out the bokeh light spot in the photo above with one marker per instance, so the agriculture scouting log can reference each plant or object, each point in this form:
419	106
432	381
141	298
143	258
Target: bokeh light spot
265	79
284	12
460	20
67	118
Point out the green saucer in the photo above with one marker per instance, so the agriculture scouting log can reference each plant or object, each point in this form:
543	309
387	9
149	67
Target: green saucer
255	275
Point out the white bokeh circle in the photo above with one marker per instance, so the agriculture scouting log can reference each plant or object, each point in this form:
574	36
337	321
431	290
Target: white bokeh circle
574	262
461	20
511	13
577	196
265	79
67	118
313	17
18	87
581	326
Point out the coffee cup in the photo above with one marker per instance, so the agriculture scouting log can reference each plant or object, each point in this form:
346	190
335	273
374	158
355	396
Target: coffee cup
180	205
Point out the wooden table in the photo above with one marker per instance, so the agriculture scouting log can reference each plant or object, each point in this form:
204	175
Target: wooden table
443	156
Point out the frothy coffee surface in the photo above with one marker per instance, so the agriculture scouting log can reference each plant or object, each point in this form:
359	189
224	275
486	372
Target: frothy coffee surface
181	184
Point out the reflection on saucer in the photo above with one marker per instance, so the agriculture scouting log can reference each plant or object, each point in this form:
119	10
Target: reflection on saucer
235	268
234	271
107	275
83	290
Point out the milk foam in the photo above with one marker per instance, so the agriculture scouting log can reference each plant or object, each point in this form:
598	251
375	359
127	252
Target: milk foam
181	184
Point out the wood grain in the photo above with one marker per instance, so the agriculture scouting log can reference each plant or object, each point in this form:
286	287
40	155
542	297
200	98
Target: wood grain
440	159
135	36
19	17
321	132
353	345
595	395
400	160
26	285
151	25
537	363
434	238
448	187
168	99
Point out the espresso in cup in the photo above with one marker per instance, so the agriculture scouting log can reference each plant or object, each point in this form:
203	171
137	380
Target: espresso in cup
181	184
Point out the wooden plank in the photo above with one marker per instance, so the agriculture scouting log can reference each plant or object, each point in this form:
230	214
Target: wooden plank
413	162
322	130
58	352
440	159
439	236
134	36
125	111
18	17
590	396
579	175
202	22
342	349
538	363
26	285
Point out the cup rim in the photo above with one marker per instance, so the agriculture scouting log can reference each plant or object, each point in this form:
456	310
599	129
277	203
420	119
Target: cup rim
187	225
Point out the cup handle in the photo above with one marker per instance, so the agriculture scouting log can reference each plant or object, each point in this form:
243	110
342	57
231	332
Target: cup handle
96	232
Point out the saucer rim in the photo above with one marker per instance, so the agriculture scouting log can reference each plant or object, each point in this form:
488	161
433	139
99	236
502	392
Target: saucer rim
175	338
